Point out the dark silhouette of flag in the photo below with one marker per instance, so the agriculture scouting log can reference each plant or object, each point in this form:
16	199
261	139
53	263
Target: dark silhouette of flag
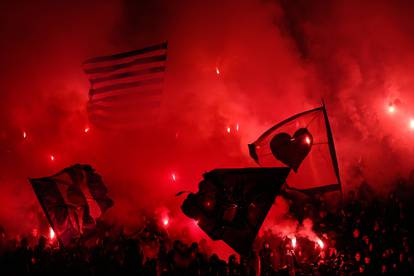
126	88
305	144
231	204
72	200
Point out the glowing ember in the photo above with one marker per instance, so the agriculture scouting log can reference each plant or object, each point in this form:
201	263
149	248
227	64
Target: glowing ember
52	157
412	123
51	233
24	135
228	129
217	71
174	178
86	130
307	140
165	221
391	109
320	243
293	242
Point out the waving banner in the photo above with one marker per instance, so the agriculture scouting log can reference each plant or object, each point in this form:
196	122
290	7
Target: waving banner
72	200
305	144
231	204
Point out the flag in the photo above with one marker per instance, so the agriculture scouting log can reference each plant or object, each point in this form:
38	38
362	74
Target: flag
72	200
305	144
231	204
126	88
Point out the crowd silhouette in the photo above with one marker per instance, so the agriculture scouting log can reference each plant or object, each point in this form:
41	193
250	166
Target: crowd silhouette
368	235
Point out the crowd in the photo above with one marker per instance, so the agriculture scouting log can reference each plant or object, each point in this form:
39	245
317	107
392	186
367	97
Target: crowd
367	235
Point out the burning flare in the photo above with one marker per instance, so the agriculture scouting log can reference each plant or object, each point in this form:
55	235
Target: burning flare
51	233
320	243
293	240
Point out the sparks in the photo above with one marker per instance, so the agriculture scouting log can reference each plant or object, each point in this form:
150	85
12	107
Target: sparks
217	71
51	233
208	204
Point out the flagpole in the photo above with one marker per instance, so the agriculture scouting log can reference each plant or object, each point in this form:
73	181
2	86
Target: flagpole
332	146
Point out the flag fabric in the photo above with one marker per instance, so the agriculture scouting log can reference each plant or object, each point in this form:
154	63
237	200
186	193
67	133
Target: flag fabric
72	200
126	88
305	144
231	204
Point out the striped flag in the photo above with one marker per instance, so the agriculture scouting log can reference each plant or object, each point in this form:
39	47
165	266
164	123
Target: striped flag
72	200
126	88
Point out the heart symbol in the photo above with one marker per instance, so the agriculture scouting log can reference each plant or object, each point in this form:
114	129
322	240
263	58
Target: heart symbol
292	150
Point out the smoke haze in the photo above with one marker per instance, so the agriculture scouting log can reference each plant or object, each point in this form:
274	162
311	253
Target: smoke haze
275	59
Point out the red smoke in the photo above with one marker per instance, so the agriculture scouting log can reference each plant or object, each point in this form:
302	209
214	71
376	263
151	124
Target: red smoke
235	68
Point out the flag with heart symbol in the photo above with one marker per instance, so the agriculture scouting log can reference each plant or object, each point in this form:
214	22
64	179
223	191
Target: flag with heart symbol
303	143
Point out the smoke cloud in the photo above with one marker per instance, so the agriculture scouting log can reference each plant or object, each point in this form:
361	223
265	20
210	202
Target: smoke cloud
235	68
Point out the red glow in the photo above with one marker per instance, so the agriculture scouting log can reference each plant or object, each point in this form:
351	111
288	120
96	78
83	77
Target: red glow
24	134
307	140
391	109
237	127
217	71
86	130
52	157
173	176
412	123
51	233
228	129
165	221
